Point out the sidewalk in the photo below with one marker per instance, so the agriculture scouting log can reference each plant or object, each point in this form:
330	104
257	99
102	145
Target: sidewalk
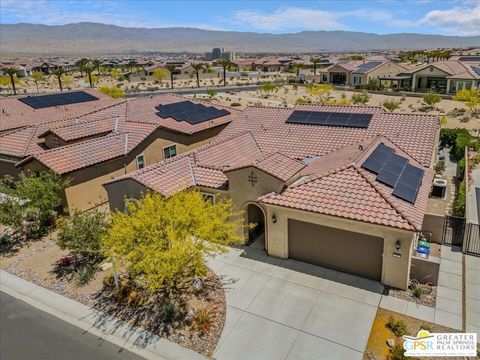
472	294
116	331
448	309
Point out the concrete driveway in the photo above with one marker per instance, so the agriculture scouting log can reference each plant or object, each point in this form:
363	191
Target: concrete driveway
286	309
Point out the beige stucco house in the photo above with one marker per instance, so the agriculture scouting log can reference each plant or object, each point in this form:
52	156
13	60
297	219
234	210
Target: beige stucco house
305	185
91	149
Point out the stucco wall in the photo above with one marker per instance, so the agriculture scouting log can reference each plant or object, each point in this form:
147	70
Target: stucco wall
121	190
387	69
86	190
395	270
425	270
7	167
433	224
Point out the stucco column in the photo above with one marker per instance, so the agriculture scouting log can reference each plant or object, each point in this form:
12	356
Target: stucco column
414	82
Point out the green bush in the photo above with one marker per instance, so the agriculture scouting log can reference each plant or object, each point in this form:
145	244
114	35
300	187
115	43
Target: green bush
360	98
431	98
82	234
463	139
461	168
439	167
391	105
33	202
426	327
398	353
84	274
398	327
459	203
235	104
301	101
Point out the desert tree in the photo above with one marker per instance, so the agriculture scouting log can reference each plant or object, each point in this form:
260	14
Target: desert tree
59	72
314	61
38	77
322	91
225	64
159	75
162	244
11	71
297	67
97	65
391	105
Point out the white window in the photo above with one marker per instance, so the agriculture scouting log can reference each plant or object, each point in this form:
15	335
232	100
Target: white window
357	80
209	197
140	162
169	151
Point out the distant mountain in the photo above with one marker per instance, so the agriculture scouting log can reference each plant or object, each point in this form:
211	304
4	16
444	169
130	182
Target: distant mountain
93	38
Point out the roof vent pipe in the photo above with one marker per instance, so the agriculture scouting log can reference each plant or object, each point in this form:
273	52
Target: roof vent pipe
116	125
126	144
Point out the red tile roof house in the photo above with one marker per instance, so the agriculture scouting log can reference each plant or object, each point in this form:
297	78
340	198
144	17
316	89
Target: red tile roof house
306	186
95	141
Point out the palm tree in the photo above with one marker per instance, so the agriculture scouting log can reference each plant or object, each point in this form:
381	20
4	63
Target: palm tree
59	72
171	68
12	72
88	68
96	65
314	61
81	65
197	67
224	63
297	66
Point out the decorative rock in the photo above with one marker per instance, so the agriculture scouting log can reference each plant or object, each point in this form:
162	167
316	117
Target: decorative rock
197	284
190	315
106	266
390	343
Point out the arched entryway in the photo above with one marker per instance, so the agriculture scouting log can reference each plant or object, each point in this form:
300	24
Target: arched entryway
256	217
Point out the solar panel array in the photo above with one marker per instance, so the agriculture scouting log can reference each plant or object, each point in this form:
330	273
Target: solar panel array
476	69
342	119
46	101
363	68
395	171
190	112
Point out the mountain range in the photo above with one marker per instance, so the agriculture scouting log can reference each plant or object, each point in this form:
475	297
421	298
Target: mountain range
94	38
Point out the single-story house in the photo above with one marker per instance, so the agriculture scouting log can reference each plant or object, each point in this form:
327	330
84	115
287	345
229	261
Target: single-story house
120	137
445	77
359	72
309	178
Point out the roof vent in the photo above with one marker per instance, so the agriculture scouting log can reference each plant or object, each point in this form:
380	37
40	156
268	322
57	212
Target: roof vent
116	125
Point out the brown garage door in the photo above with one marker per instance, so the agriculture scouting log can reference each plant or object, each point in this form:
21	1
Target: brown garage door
341	250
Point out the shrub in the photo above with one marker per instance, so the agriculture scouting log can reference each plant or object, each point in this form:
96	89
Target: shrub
360	98
426	327
440	167
203	320
84	274
212	93
391	105
302	101
235	104
431	98
82	233
417	290
112	91
32	202
398	353
170	311
398	327
459	203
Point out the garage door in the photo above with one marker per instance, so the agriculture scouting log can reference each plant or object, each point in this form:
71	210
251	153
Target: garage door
345	251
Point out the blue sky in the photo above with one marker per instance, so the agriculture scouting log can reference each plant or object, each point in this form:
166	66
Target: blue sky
455	17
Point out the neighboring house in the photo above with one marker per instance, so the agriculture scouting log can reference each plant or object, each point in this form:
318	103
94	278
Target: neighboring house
446	76
359	72
310	188
116	138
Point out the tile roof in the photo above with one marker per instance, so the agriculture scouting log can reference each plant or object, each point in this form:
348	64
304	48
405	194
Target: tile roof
97	129
454	68
336	184
67	158
15	114
276	164
415	132
331	181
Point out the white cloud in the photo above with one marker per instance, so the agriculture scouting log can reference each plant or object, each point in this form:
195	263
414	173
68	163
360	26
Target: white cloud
286	19
455	21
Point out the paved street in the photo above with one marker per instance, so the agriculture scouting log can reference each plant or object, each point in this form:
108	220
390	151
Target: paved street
28	333
286	309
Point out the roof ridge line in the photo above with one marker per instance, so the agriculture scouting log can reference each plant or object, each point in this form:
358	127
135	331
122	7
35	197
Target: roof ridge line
194	180
389	202
29	141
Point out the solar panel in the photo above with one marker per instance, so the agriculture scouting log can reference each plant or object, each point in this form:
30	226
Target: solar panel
367	66
45	101
405	192
394	171
341	119
190	112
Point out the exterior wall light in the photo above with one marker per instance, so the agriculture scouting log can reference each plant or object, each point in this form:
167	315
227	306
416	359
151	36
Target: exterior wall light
397	244
274	219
